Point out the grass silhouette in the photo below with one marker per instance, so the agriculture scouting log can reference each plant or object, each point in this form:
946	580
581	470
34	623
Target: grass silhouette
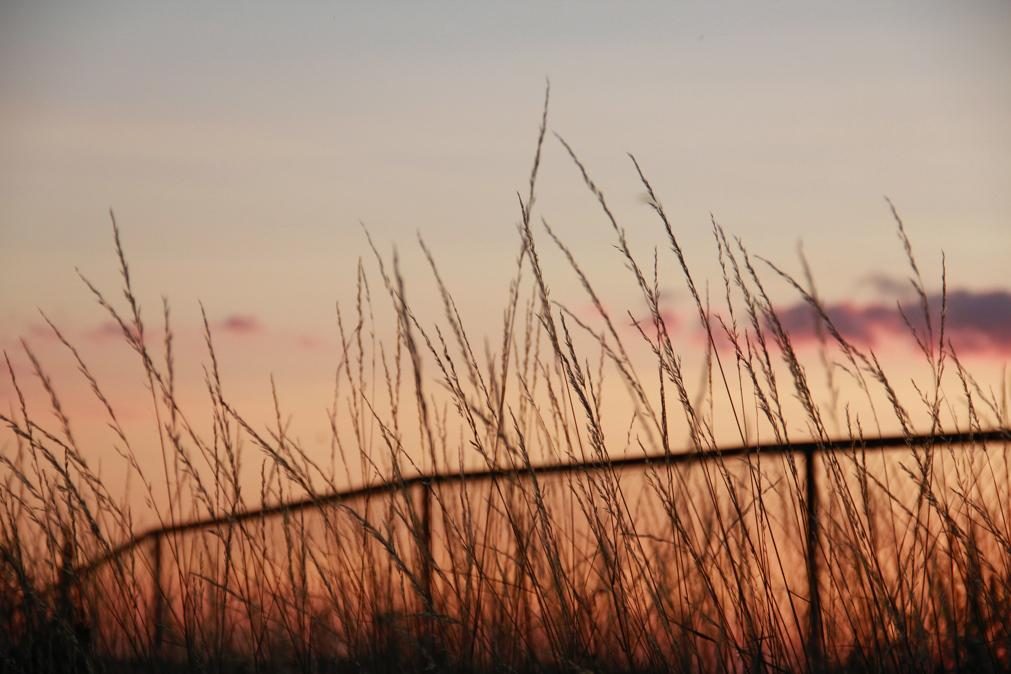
658	566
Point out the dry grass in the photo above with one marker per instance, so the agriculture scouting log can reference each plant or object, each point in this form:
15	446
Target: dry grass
668	568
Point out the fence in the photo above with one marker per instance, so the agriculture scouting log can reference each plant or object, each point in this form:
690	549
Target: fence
422	487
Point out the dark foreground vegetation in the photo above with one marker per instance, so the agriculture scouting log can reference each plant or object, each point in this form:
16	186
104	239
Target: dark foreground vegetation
855	560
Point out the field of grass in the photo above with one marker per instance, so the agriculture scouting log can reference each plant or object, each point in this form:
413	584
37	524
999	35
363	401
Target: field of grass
693	566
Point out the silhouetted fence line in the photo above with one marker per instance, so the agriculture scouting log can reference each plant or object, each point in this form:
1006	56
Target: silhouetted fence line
809	450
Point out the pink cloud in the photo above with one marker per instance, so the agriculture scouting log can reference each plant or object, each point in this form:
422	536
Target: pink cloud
647	323
109	331
241	324
40	331
309	342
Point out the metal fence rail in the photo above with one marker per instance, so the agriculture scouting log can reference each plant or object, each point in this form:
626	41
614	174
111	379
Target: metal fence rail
807	449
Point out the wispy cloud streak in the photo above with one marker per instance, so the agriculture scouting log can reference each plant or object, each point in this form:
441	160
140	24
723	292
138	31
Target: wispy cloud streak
241	324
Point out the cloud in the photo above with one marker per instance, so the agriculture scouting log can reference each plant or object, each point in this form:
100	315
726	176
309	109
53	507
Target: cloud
40	331
889	286
975	320
109	331
106	330
858	324
647	323
309	342
241	324
981	319
644	320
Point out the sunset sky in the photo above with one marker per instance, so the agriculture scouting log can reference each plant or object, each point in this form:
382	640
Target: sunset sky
241	144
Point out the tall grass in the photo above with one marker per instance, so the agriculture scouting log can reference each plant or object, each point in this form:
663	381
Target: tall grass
672	567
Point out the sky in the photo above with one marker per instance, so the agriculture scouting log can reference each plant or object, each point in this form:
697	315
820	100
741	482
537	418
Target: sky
243	145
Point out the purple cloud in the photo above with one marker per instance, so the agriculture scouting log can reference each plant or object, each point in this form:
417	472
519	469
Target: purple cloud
980	319
975	320
858	324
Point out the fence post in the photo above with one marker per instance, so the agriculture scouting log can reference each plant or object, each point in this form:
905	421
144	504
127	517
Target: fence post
812	539
157	597
428	624
426	542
